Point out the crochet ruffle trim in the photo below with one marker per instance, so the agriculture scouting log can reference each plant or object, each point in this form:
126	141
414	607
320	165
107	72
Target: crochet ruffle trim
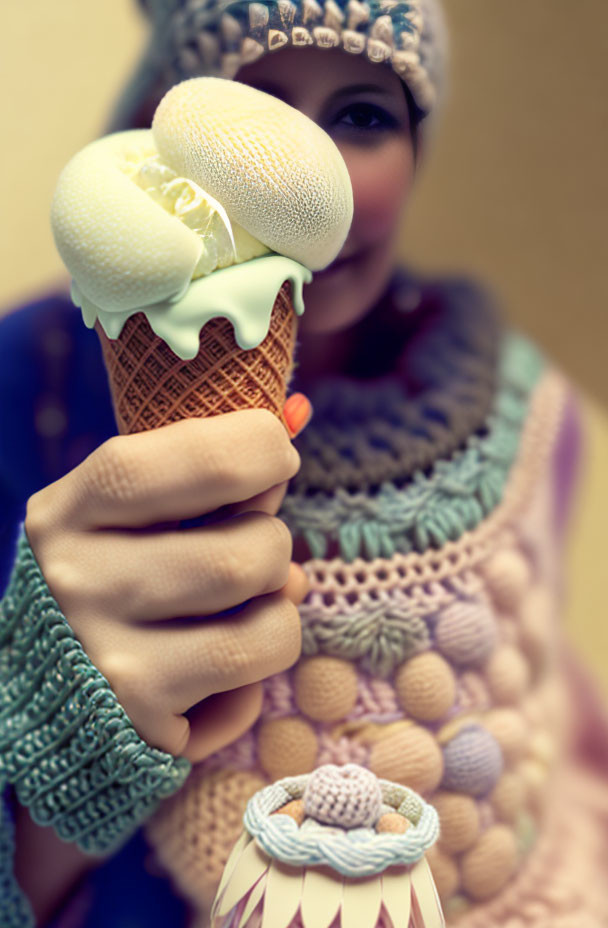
373	611
373	427
436	507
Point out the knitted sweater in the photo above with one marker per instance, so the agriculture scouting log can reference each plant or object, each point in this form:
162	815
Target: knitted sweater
428	515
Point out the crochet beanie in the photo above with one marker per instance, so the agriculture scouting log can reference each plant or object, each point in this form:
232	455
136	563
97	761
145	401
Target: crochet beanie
217	37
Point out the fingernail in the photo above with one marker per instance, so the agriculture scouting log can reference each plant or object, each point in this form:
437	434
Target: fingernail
297	412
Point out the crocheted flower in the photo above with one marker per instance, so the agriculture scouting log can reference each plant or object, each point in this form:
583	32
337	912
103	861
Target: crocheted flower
309	840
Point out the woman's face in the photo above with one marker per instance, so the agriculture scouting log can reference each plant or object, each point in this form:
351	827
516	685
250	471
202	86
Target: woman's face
362	106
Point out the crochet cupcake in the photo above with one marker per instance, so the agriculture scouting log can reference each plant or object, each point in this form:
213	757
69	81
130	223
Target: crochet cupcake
337	848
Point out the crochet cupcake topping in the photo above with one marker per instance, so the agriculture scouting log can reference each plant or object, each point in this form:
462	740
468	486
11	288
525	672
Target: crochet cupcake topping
350	824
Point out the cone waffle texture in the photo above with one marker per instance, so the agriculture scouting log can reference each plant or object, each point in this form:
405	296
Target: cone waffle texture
151	386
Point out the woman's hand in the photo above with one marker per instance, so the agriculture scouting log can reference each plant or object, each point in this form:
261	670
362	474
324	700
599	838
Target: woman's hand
143	597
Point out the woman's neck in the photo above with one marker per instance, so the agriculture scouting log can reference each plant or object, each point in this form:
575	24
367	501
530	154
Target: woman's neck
368	349
320	355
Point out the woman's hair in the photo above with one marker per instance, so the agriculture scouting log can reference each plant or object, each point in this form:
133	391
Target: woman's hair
416	115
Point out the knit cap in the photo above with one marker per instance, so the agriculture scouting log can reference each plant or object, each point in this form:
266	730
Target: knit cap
216	37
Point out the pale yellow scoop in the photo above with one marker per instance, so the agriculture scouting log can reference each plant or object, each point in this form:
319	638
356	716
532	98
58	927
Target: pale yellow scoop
227	174
275	171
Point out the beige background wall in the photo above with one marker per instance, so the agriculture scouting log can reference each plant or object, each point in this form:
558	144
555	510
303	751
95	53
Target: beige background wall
514	188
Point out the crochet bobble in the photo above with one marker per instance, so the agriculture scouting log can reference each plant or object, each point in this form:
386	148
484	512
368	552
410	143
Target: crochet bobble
348	796
473	762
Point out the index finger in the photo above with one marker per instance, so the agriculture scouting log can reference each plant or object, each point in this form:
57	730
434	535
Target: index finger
182	470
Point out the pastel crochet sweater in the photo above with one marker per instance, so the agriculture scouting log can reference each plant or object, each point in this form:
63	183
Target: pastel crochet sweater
428	515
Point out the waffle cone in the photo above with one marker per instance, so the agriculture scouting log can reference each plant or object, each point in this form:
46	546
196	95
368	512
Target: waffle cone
151	386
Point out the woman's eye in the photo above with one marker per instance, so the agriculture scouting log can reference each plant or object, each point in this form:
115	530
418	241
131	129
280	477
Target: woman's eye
366	116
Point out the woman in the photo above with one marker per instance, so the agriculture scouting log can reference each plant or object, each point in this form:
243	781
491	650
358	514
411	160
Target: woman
421	460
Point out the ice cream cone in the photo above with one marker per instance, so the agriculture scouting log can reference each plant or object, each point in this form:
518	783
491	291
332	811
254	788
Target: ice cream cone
189	244
151	386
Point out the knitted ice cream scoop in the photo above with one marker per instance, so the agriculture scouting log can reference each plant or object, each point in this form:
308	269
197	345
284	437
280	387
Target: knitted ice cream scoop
338	848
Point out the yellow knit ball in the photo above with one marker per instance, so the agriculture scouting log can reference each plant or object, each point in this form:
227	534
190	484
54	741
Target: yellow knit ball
286	747
507	675
325	688
510	729
508	797
411	756
425	686
534	775
536	625
294	809
392	823
458	819
457	906
558	709
490	863
543	746
444	870
508	576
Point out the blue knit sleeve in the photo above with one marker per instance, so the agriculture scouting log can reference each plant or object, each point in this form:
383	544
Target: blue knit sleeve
66	744
15	910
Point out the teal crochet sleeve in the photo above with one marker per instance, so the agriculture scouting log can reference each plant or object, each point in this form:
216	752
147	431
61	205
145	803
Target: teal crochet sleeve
15	910
67	746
